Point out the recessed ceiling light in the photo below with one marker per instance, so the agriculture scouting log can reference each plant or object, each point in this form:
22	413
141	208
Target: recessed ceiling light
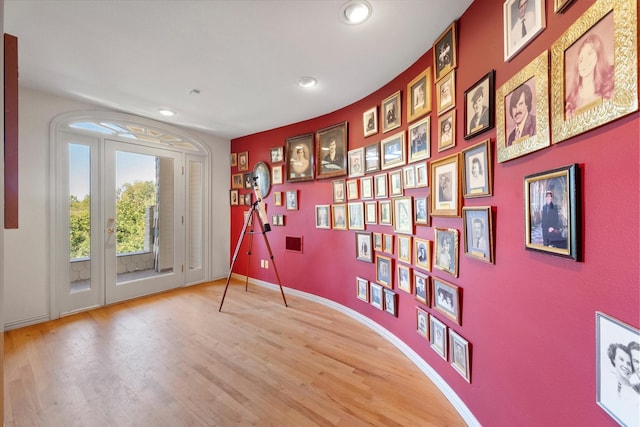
166	112
307	82
356	11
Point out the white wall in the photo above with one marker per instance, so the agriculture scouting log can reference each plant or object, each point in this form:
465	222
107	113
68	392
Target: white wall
26	273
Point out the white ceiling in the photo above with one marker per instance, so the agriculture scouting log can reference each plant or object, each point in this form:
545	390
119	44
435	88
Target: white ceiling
244	56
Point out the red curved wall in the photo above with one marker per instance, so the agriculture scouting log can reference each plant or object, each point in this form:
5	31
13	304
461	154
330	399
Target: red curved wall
530	318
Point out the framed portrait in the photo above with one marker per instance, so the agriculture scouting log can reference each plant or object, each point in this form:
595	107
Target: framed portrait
395	183
352	189
233	197
609	87
391	112
384	212
237	181
421	287
420	140
422	253
371	212
387	243
356	162
277	198
552	212
478	232
299	158
234	159
377	241
447	131
323	216
370	121
277	154
421	211
522	110
560	6
459	352
479	106
445	199
384	271
276	174
419	95
446	299
292	200
446	92
366	188
339	191
339	216
356	215
409	176
617	379
375	297
392	151
445	55
422	323
362	289
381	186
390	302
243	161
364	246
331	151
422	176
246	178
403	215
403	277
523	21
438	339
477	172
445	255
372	157
248	199
404	249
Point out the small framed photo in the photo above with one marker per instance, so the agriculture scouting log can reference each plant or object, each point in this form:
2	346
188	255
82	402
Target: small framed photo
395	183
362	289
421	211
384	212
370	121
446	200
446	93
422	323
523	21
323	216
248	199
445	52
421	287
384	271
522	109
375	295
277	154
339	216
617	376
479	102
387	243
234	159
459	351
353	189
391	111
372	157
356	215
422	253
364	246
438	339
390	302
366	188
409	176
371	212
584	99
331	151
420	140
339	191
445	255
403	215
277	198
478	232
377	241
447	131
446	299
404	249
552	212
292	200
380	186
356	162
237	181
233	197
246	178
299	158
243	161
276	174
422	176
419	94
403	277
393	152
477	172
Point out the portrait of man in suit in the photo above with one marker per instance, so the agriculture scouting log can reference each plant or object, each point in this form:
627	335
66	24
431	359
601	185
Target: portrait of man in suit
521	114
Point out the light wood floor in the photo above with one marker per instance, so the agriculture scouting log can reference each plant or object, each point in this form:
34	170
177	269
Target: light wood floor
174	360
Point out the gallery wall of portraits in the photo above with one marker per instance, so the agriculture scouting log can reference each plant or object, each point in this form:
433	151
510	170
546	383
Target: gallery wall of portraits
482	207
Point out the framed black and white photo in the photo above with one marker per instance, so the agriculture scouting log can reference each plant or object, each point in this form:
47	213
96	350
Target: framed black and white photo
422	323
419	95
292	200
446	299
420	140
277	154
390	302
446	93
478	232
371	212
447	130
479	106
339	191
331	151
391	111
445	255
392	150
364	246
459	353
375	295
422	253
384	271
356	162
356	215
362	289
323	216
477	171
421	210
523	21
421	287
370	121
445	177
372	157
445	55
403	277
403	215
438	336
299	158
381	186
339	216
366	188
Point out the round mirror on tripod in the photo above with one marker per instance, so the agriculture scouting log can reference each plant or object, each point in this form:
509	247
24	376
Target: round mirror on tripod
262	172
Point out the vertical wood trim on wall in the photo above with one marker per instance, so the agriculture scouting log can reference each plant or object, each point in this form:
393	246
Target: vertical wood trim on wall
10	131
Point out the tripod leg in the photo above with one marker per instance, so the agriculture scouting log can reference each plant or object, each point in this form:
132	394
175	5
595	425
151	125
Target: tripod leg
273	262
246	276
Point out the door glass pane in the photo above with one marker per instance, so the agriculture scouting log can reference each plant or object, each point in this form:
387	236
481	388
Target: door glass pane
79	218
195	215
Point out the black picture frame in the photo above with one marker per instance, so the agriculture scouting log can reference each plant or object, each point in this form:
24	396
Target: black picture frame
482	93
327	167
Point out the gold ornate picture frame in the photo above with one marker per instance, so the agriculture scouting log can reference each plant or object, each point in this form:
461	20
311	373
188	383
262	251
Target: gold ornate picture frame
419	95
